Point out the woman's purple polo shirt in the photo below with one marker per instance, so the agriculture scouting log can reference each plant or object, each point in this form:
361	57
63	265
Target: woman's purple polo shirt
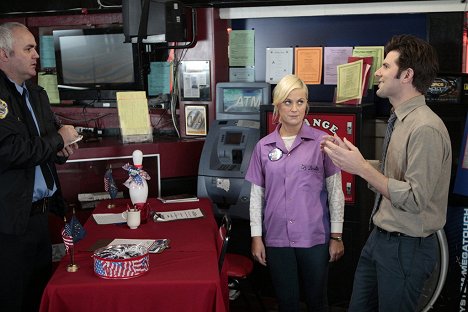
296	212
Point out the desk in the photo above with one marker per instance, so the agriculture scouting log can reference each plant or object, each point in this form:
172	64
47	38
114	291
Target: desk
182	278
179	160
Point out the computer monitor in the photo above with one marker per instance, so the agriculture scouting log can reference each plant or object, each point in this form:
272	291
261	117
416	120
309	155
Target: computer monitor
94	63
241	100
86	175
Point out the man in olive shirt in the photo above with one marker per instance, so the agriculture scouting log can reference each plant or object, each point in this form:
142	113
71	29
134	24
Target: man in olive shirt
412	191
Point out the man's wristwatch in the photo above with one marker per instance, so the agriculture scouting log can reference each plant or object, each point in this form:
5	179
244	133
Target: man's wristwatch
337	238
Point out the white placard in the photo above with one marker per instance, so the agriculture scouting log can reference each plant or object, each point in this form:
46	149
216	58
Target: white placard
179	215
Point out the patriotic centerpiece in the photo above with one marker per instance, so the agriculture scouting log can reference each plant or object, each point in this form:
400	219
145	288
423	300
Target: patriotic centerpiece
136	182
121	261
136	178
137	185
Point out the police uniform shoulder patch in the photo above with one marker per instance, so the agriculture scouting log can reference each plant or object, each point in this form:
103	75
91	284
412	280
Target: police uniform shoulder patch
3	109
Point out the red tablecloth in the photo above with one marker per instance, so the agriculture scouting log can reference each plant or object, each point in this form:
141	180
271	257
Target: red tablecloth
182	278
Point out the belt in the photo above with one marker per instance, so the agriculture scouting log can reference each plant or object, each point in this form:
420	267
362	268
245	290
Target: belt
392	233
39	206
398	234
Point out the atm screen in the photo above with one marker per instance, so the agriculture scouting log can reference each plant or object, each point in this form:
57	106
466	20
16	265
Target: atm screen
242	100
233	138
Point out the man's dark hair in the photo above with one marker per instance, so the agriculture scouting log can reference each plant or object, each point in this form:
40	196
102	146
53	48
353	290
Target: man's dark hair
418	55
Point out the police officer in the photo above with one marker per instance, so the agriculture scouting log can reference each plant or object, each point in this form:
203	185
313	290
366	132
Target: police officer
31	142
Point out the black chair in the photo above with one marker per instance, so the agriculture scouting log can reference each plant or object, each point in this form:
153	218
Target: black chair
238	267
224	234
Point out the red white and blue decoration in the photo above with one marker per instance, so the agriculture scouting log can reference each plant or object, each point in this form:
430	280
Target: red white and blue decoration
121	261
67	236
135	175
72	232
136	182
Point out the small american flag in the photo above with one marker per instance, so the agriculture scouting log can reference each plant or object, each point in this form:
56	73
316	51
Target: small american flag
67	237
129	268
109	184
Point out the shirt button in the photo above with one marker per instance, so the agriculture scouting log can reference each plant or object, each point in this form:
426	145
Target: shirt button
292	243
291	221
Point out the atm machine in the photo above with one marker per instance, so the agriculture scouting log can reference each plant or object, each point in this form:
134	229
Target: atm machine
229	145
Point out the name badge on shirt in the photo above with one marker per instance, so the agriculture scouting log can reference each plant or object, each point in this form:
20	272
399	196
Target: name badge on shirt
275	154
3	109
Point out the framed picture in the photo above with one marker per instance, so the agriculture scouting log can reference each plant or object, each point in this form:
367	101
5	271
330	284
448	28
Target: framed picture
196	119
195	81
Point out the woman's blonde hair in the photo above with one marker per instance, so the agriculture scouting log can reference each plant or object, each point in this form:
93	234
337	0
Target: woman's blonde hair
282	90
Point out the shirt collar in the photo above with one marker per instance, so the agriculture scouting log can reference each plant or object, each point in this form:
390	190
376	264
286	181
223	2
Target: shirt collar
306	132
19	88
407	107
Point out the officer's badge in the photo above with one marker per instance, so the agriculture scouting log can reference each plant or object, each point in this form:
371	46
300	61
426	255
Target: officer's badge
3	109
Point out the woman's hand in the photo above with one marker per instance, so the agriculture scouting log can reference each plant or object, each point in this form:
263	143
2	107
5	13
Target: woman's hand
258	250
336	250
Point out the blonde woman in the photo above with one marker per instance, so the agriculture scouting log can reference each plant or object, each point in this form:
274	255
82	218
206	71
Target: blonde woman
297	203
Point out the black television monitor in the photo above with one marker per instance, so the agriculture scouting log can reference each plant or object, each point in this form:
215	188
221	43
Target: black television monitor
241	100
155	25
94	63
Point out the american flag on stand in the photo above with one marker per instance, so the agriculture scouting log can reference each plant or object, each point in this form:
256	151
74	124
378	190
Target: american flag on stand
67	237
129	268
77	230
109	184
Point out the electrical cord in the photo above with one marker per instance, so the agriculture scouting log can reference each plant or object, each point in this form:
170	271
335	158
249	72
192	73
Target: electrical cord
160	118
175	90
86	120
101	5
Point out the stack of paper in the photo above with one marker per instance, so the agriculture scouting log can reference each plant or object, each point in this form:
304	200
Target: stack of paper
134	117
357	76
108	218
353	78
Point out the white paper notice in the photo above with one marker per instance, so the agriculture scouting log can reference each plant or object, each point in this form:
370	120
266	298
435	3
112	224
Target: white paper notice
242	74
334	56
108	218
279	63
179	215
191	85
